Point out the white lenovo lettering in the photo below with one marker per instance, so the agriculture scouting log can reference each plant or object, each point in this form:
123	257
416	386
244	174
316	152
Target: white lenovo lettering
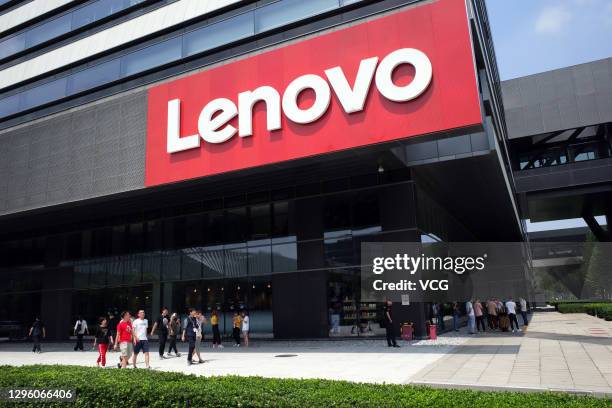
213	122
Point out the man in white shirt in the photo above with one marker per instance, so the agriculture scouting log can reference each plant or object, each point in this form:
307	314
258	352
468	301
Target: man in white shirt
511	309
523	304
469	310
141	343
80	329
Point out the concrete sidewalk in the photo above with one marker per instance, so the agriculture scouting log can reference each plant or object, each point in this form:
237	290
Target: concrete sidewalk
352	360
570	352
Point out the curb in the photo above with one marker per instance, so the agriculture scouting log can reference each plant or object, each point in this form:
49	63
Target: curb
505	388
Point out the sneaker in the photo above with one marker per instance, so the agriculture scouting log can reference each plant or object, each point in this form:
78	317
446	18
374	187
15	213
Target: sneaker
396	345
189	363
162	357
512	330
178	354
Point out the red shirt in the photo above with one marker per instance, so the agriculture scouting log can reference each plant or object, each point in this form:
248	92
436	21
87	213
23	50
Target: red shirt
124	329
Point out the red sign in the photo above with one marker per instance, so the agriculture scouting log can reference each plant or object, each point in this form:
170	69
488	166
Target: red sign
402	75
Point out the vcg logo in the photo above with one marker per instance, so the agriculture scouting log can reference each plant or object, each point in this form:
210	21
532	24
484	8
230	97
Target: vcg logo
213	126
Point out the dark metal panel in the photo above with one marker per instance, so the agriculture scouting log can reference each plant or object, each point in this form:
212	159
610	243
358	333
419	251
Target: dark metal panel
78	155
565	98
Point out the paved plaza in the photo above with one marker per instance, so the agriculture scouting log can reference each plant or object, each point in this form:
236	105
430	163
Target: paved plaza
571	352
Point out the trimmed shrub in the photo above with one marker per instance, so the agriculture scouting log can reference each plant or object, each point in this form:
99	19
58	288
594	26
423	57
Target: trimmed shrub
142	388
600	309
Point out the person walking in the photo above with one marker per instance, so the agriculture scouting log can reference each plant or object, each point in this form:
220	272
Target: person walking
174	329
141	342
113	321
201	320
492	314
469	310
237	322
456	316
162	322
189	334
389	325
37	332
102	338
214	322
511	310
123	339
440	317
478	312
80	329
523	305
245	328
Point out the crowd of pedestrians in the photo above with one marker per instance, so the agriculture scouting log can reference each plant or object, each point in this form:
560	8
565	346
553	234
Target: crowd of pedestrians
130	336
492	314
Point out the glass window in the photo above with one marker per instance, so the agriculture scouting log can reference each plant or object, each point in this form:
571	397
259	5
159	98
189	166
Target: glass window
151	57
9	105
212	261
91	77
136	237
119	239
72	245
260	257
96	11
98	274
151	268
284	254
154	235
213	227
191	265
260	221
280	219
12	45
337	212
286	11
235	260
365	209
224	32
48	30
171	266
194	230
338	248
44	93
81	276
236	225
132	270
114	273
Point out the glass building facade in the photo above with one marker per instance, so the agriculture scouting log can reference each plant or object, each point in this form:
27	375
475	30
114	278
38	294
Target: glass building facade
81	235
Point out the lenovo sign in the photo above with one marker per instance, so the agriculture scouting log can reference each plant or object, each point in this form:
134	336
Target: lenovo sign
398	76
213	124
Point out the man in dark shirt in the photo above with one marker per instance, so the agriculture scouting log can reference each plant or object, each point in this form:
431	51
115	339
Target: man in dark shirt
189	333
113	321
37	331
389	325
162	323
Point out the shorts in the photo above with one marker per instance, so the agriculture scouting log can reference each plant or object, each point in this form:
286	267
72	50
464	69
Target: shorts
126	348
141	345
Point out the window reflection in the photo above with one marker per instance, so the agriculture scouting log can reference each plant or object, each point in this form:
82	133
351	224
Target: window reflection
240	26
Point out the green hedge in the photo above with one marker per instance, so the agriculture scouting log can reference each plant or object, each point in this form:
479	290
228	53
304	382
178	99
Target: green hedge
603	310
141	388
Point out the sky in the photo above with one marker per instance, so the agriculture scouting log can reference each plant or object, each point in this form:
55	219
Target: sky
532	36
